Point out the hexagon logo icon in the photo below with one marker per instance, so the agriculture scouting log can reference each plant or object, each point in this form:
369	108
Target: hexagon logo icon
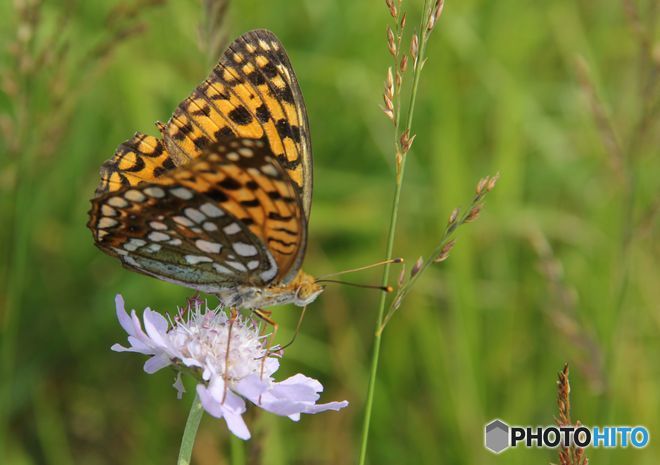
496	436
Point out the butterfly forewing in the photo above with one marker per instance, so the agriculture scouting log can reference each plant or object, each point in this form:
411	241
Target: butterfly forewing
229	217
251	93
141	158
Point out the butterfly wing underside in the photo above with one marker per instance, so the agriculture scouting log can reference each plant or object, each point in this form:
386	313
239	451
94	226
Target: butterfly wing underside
251	97
229	217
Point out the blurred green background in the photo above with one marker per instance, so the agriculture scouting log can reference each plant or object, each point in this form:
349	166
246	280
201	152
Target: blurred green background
561	267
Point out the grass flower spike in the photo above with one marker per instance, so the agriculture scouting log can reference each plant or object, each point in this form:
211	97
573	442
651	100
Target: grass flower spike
229	358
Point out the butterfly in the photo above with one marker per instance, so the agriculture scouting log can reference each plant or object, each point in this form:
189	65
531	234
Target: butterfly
221	202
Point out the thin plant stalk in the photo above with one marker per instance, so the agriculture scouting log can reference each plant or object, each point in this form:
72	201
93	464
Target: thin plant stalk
390	241
190	432
381	310
441	251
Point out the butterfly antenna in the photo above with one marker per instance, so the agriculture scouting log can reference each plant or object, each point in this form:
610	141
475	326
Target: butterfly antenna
366	286
373	265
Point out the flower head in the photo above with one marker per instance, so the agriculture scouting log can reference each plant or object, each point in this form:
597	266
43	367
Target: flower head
231	357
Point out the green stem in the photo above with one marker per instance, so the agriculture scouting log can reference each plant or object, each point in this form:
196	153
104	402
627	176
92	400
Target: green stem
190	431
17	255
405	289
390	247
381	310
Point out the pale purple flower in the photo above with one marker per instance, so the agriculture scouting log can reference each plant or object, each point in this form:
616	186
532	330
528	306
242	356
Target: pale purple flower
231	358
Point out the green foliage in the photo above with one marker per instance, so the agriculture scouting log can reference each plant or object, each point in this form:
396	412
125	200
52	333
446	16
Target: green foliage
561	266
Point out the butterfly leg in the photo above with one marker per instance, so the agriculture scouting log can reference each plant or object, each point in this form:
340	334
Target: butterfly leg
193	301
265	315
232	319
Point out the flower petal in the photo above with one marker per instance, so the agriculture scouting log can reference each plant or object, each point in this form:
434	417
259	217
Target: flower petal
251	387
124	320
237	425
231	409
155	325
318	408
291	397
305	380
271	365
212	407
156	363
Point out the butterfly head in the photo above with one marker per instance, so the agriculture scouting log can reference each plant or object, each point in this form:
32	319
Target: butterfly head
306	289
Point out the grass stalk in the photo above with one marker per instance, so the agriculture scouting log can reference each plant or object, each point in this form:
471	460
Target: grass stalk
391	234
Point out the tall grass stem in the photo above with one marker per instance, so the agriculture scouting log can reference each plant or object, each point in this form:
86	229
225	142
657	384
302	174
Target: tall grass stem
391	235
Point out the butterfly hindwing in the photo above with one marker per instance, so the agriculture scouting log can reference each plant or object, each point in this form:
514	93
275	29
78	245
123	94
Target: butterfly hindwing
231	216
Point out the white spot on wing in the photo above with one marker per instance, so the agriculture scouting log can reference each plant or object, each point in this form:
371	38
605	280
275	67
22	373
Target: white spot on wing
182	220
269	170
270	272
106	223
158	236
208	226
246	250
211	210
120	251
154	191
232	228
194	214
134	195
239	266
176	241
195	259
153	248
107	210
221	269
208	247
118	202
133	244
158	225
131	261
182	193
253	264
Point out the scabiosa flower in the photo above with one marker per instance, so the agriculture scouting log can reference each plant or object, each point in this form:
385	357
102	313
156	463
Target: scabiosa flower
231	358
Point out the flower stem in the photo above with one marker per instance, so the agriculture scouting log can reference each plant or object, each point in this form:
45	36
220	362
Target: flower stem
390	247
190	431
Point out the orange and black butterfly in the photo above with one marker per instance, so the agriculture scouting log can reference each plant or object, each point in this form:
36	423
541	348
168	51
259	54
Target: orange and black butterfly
221	202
